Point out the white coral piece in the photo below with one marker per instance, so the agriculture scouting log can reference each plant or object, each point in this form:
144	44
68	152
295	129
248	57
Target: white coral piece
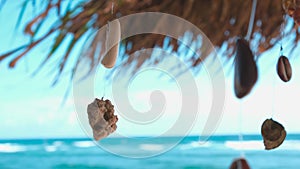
101	127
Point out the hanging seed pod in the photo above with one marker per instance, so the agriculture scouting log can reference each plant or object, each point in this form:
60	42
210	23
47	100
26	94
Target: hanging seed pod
273	134
113	36
245	70
101	118
239	163
284	69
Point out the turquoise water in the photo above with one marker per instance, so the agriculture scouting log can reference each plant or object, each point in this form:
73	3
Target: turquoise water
217	153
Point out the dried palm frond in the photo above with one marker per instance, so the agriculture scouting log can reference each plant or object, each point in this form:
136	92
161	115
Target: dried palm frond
221	20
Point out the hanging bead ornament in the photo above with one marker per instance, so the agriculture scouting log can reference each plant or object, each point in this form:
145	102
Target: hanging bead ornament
245	69
101	118
239	163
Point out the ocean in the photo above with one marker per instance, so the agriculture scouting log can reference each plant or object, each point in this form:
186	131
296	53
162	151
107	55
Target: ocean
217	153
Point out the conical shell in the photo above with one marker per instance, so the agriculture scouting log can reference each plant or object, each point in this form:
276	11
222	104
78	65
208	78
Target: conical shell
284	69
273	134
245	70
112	44
101	118
239	163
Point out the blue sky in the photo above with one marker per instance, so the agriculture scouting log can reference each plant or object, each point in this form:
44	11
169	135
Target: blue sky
30	107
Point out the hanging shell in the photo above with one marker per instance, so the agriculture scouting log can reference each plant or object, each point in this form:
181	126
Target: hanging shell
284	69
273	134
239	163
112	44
245	70
101	118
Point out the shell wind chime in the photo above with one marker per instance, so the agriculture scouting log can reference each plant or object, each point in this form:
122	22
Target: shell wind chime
273	132
101	112
245	69
245	76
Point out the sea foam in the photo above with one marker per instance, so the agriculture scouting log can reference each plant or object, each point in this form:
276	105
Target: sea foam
84	144
11	148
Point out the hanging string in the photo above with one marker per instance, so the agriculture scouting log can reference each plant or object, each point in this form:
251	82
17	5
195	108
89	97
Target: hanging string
106	44
240	126
273	96
106	51
104	88
251	21
282	35
250	27
274	77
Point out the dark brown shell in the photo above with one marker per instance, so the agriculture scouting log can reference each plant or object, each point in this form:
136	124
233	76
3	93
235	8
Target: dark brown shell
284	69
245	70
273	134
239	163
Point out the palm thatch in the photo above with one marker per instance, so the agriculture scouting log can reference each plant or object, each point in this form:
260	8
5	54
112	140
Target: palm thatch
221	20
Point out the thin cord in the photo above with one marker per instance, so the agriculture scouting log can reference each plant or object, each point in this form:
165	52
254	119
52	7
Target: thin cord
106	51
104	86
106	45
274	77
251	21
240	124
273	97
281	35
